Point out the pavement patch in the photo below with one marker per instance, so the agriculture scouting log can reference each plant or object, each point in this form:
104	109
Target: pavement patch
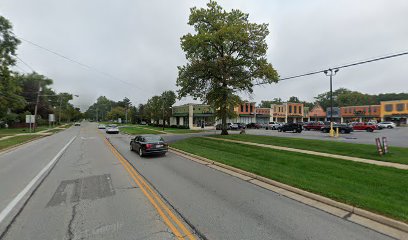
88	188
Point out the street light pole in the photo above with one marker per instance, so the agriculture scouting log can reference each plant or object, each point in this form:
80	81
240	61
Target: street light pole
331	72
163	112
36	105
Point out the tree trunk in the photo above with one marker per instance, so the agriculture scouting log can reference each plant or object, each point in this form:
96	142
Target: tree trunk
224	130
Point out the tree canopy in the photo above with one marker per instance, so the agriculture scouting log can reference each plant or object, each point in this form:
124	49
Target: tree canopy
226	55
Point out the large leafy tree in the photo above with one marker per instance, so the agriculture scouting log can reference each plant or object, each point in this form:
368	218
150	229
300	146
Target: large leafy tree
168	100
226	55
9	89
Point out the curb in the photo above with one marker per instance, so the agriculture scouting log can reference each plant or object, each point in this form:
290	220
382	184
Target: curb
348	208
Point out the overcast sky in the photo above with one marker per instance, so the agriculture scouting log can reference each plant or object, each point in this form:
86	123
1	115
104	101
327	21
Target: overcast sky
138	43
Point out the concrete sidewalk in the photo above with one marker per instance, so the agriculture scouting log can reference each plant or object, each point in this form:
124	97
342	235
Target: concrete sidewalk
354	159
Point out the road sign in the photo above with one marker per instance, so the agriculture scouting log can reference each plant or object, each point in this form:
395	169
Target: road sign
30	119
385	144
379	147
51	118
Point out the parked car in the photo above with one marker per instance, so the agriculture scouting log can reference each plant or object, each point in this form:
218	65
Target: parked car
294	127
219	126
148	144
364	126
313	126
253	126
112	129
343	128
376	125
273	125
101	126
143	123
387	125
237	126
77	124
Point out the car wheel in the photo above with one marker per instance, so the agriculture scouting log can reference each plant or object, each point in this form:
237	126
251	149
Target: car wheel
325	130
295	130
342	131
279	130
369	130
140	152
131	147
389	126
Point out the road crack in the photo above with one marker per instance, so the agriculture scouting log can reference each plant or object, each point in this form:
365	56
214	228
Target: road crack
70	231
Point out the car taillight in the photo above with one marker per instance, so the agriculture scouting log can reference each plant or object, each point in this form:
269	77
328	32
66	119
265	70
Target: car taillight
148	146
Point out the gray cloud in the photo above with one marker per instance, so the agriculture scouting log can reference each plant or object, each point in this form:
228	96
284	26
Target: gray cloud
138	42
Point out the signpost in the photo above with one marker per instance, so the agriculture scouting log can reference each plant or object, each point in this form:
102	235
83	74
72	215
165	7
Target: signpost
30	119
385	144
379	147
51	119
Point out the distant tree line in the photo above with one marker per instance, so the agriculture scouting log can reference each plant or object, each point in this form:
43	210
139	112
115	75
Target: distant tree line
342	97
18	91
105	109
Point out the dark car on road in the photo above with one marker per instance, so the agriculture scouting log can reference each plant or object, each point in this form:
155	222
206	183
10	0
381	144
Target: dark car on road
253	126
148	144
291	127
343	128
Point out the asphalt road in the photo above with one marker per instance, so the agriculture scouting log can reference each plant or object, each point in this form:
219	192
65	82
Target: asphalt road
89	195
220	206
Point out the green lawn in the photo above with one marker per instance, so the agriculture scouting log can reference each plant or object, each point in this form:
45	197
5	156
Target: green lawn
171	130
12	131
16	140
379	189
396	154
137	130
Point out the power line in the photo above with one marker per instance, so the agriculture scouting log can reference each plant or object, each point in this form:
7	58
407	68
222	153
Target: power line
341	66
21	60
78	63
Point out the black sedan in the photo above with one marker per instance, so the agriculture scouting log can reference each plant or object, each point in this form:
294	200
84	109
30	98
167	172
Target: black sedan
148	144
291	127
343	128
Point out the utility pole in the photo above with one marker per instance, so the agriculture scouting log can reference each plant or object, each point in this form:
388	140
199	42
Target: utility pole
331	72
97	115
60	106
163	112
36	105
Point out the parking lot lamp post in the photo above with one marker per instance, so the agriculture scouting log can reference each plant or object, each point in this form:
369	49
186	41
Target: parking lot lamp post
164	99
331	72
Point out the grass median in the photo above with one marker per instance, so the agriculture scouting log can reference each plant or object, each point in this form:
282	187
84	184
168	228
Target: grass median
137	131
379	189
396	154
6	143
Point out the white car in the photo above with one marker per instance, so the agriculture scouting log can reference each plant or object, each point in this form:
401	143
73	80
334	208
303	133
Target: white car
112	129
387	125
101	126
273	125
77	124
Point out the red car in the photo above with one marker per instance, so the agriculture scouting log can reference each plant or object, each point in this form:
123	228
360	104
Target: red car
313	125
364	126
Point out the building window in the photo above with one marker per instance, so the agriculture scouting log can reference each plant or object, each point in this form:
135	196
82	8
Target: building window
250	108
400	107
290	109
246	107
375	110
294	109
300	109
389	107
242	108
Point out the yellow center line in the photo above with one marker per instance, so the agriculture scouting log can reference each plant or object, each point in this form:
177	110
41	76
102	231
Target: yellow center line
151	195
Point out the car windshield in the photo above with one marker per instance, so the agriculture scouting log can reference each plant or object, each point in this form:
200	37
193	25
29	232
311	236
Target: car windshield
153	138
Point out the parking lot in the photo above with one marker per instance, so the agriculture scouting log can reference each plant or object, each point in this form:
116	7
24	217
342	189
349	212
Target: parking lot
396	136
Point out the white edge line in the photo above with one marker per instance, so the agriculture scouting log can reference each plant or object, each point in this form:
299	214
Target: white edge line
17	199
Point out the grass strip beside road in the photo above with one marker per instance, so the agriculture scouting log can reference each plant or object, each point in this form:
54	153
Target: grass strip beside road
6	143
367	151
172	130
379	189
137	130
